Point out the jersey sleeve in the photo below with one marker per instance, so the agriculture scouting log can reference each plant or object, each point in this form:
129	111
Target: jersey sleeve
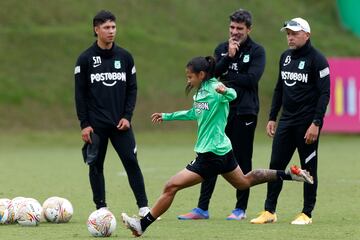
180	115
322	79
131	88
81	91
277	97
228	96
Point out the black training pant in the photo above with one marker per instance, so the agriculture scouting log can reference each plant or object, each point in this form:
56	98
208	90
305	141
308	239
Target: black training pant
286	140
125	146
240	130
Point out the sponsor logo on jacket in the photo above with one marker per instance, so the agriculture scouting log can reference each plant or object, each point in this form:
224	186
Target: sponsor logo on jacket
201	105
111	78
291	78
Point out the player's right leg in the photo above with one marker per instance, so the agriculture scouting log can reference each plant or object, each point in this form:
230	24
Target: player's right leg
96	171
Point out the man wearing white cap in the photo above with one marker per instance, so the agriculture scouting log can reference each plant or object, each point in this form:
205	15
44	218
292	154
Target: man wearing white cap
303	92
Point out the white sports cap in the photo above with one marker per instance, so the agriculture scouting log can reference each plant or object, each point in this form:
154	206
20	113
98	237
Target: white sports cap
296	24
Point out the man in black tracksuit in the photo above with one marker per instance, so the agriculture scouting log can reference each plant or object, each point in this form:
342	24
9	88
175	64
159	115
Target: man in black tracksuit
303	91
105	95
240	65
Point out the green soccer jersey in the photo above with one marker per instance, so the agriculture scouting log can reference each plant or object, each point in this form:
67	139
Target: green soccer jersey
211	110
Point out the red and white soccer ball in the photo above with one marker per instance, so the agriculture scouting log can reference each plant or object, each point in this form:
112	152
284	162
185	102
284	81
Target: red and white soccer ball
4	212
101	223
28	212
57	210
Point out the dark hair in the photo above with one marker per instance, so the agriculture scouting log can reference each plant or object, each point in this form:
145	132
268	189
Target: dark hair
102	17
241	16
198	64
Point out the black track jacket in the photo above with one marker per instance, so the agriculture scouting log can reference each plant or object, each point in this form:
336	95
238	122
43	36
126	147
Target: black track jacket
105	86
303	86
242	73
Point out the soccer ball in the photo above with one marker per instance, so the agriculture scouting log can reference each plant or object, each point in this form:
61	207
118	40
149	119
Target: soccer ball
101	223
28	212
57	210
12	209
4	203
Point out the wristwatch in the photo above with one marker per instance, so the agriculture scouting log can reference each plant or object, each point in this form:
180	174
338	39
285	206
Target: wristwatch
316	122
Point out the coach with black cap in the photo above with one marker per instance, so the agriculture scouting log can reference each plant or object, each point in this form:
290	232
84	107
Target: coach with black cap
303	92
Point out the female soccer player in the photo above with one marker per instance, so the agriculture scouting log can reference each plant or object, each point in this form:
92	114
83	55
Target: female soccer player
213	147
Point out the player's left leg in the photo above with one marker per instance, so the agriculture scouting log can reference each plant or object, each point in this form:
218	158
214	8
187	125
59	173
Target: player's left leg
183	179
125	146
259	176
308	154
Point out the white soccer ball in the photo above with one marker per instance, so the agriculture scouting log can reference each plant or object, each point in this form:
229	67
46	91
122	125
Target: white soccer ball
57	210
28	212
101	223
4	212
12	209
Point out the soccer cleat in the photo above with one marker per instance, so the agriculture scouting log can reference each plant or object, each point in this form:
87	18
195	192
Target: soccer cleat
300	175
302	219
265	217
237	214
195	214
133	224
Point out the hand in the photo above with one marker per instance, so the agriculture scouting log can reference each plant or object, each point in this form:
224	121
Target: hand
312	134
123	125
156	118
221	88
233	47
271	128
85	134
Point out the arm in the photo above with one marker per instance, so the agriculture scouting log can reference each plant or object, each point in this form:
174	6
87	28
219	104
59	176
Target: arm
131	89
81	92
180	115
248	79
222	60
251	78
322	84
277	97
226	94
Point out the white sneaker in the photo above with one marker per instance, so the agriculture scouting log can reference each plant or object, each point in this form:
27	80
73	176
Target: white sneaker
143	211
133	224
300	175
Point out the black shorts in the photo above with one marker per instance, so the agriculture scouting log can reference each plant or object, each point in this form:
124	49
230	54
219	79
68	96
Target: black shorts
208	164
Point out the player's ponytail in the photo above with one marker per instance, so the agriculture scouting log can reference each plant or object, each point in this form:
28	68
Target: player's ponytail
211	67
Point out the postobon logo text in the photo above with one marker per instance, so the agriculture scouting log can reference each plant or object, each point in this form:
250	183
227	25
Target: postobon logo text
108	76
294	76
202	105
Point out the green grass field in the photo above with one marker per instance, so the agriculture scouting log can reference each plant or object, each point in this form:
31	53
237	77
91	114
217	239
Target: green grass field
41	165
